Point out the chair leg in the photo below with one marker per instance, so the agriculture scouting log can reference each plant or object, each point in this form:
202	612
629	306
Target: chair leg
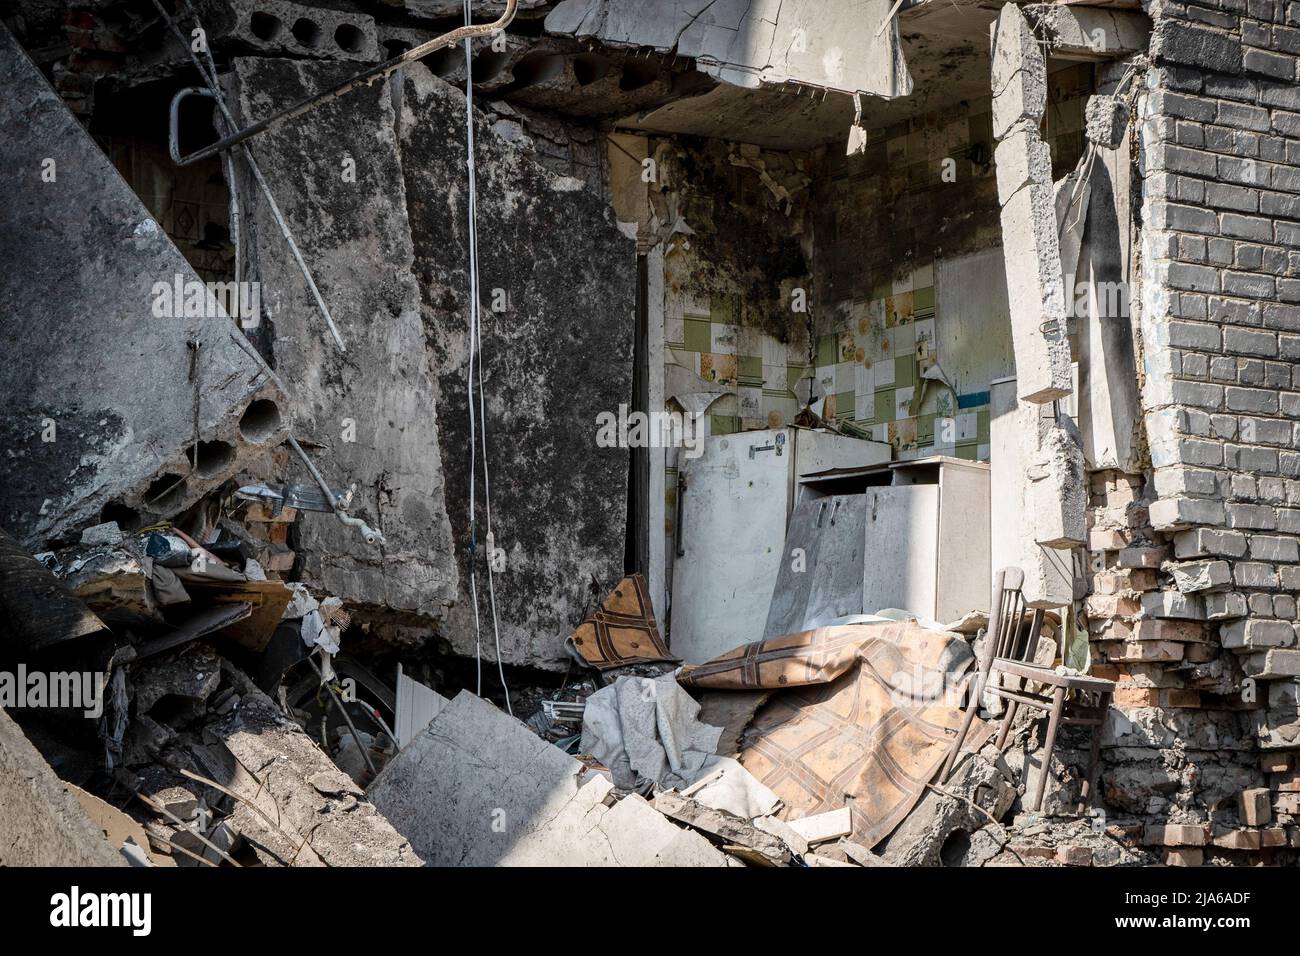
1094	757
1005	729
1058	704
969	717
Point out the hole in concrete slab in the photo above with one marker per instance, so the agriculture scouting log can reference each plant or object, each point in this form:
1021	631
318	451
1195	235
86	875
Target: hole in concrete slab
394	48
954	849
638	73
349	38
306	32
444	62
259	421
214	457
128	519
265	26
488	64
588	68
537	69
164	493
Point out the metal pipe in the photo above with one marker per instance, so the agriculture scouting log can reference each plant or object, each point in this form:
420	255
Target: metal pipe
329	692
215	92
370	535
372	73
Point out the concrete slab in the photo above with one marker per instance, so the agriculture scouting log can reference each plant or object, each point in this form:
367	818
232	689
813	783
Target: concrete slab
478	788
337	178
43	823
96	377
833	44
557	334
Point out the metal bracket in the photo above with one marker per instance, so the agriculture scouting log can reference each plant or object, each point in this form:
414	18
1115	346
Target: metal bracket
173	129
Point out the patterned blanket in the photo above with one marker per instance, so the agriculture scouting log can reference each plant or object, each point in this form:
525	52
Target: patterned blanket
863	716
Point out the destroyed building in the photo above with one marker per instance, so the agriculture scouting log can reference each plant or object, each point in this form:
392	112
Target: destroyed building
557	420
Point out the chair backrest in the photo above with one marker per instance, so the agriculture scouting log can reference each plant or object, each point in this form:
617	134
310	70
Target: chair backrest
1012	637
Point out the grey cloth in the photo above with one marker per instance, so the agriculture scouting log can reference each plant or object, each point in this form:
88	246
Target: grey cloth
648	732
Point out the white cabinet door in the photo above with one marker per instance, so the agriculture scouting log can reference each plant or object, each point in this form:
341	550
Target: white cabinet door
901	544
731	537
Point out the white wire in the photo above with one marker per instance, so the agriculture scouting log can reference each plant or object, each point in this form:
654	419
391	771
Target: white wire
475	351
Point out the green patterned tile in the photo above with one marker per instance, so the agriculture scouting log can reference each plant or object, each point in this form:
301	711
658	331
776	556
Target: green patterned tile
969	451
925	429
697	335
844	405
749	370
982	425
885	405
905	371
827	349
723	425
923	298
725	309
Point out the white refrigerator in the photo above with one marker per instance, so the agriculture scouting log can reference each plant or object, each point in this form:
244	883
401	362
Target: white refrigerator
734	505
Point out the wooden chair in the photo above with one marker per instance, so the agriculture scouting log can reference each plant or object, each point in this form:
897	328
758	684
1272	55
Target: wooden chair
1011	651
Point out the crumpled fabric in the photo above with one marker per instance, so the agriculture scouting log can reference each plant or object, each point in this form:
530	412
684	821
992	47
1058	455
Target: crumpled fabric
323	622
322	627
646	732
161	586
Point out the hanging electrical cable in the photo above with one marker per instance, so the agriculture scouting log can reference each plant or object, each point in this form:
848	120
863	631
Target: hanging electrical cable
478	423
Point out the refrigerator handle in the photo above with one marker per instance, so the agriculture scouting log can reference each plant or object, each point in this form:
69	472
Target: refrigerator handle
677	522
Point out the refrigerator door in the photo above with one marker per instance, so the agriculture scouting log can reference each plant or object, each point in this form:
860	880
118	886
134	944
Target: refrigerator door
730	541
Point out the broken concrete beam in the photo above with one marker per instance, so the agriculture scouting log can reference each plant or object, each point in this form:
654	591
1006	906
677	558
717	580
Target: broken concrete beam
828	44
557	359
99	401
1035	291
1019	73
1106	120
43	823
1079	33
1058	493
722	825
478	788
1030	240
314	801
1014	432
276	27
977	790
373	408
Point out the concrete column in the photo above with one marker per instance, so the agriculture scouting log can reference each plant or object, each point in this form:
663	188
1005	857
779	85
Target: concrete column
1029	237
